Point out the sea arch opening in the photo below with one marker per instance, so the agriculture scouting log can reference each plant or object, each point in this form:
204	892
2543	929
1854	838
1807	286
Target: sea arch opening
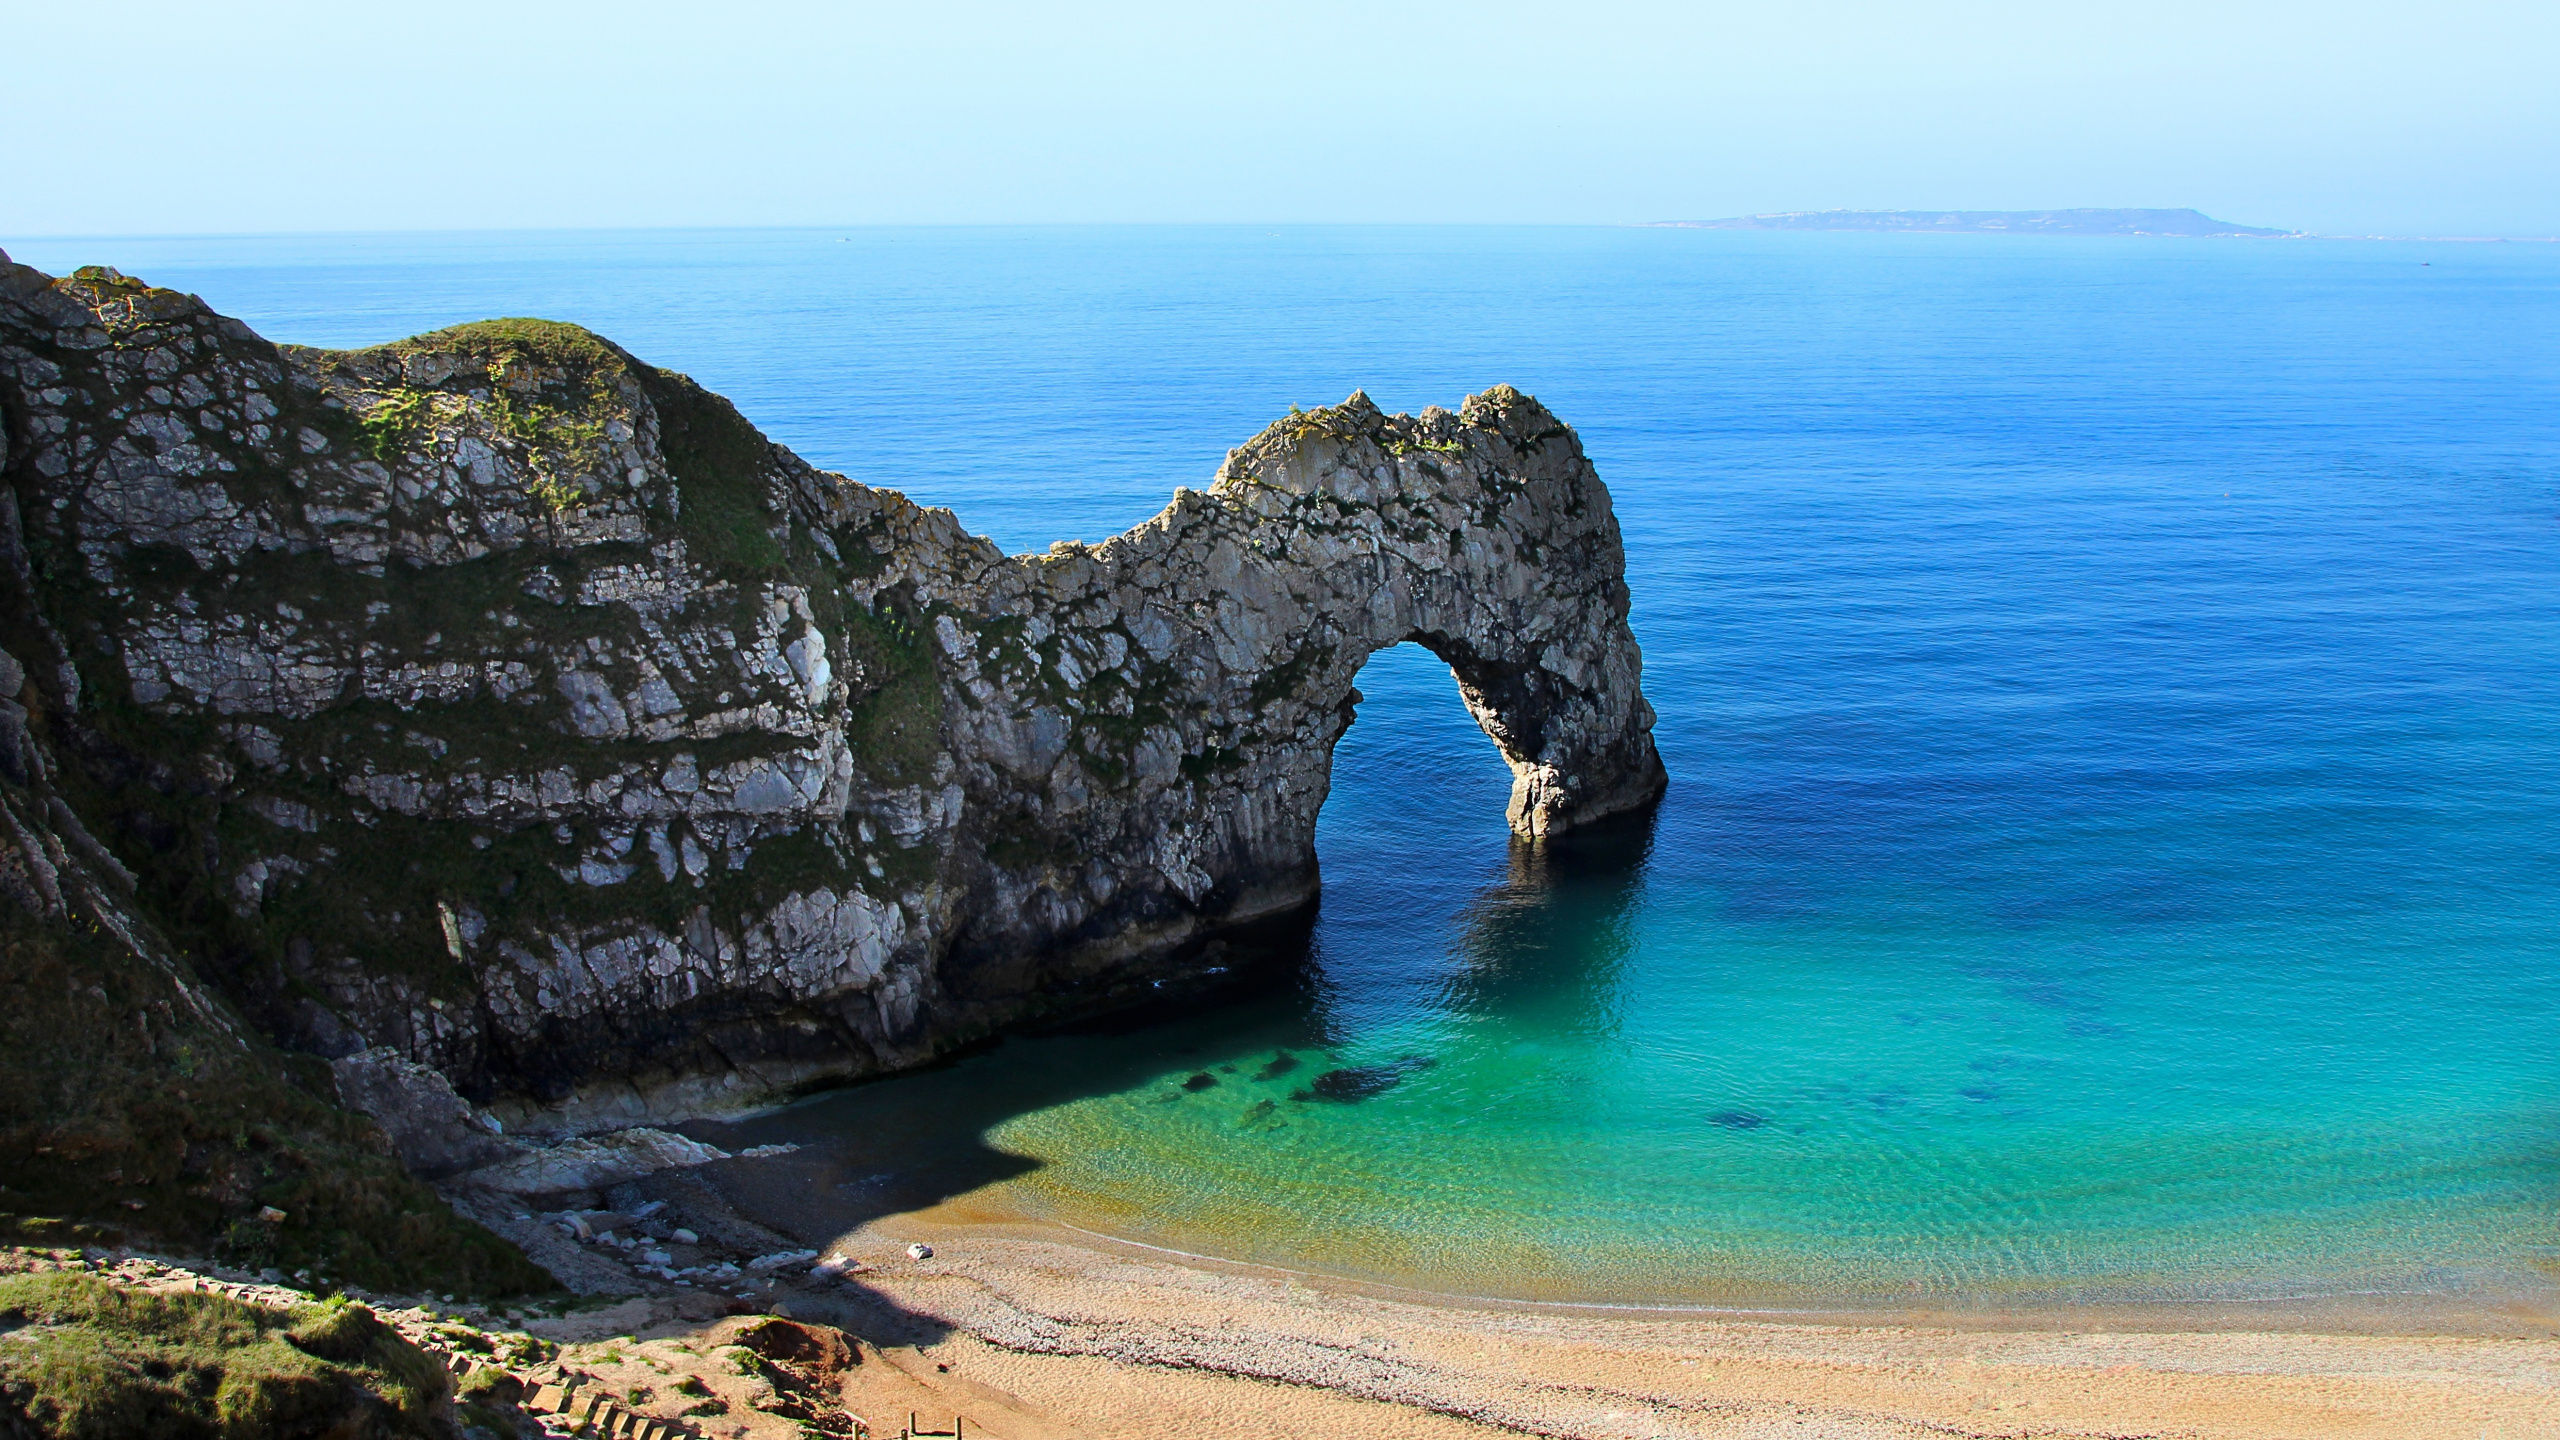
1415	763
1411	832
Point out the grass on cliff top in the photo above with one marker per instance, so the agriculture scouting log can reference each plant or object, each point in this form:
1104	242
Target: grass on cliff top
84	1359
720	461
108	280
548	342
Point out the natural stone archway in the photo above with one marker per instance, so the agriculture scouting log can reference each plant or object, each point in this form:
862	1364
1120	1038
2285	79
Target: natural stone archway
502	699
1484	536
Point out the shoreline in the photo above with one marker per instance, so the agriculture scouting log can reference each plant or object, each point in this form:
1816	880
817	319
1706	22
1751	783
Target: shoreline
1025	1316
2412	1313
2505	1296
1033	1329
2524	1309
2425	1313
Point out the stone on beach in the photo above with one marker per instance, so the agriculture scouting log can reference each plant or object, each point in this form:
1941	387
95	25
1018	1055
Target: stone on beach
594	1162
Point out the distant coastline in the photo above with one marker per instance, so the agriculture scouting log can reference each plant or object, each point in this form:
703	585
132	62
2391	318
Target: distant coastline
2184	223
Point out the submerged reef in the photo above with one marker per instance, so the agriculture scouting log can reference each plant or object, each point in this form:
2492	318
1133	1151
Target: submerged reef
501	702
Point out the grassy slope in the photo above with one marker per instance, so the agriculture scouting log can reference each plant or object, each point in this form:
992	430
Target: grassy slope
125	1108
88	1360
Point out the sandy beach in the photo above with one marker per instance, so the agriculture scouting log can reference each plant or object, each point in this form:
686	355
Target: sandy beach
1028	1329
1028	1335
1019	1336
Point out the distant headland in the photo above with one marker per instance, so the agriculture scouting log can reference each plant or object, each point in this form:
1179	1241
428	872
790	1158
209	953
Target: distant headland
2034	222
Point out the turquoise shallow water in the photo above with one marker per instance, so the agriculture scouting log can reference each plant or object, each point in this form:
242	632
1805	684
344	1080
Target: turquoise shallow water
2114	843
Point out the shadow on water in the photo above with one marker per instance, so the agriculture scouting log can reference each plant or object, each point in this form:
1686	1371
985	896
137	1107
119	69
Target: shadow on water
906	1142
1549	936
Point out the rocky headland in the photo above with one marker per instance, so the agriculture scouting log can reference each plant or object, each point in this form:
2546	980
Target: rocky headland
497	733
441	761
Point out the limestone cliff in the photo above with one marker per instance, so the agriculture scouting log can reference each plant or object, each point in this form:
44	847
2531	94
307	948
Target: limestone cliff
502	699
135	1102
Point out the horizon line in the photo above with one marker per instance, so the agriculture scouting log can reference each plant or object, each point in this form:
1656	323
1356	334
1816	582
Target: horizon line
877	225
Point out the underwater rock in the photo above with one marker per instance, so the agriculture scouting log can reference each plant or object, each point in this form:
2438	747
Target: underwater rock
1281	1064
1737	1120
1359	1082
1202	1081
1350	1084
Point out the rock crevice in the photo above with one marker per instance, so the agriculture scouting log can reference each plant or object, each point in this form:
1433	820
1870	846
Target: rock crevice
498	698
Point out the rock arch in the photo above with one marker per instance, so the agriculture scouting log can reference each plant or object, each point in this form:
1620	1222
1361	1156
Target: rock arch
1484	536
500	698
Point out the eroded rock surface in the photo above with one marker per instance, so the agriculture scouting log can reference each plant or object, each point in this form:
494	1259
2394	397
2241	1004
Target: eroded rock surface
498	698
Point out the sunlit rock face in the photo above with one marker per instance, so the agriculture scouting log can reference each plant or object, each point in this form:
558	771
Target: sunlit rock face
498	698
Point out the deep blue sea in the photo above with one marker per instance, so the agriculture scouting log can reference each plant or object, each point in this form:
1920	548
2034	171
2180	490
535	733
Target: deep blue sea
2111	690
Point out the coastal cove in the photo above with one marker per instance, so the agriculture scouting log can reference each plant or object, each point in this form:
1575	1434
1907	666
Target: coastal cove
2105	684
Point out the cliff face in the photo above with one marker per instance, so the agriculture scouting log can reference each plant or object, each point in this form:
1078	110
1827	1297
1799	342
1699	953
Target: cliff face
499	698
134	1100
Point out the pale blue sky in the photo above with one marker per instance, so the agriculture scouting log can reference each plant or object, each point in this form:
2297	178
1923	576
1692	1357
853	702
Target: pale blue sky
2414	119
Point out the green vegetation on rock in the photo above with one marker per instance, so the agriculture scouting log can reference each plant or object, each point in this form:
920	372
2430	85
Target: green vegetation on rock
384	434
131	1105
721	465
88	1360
